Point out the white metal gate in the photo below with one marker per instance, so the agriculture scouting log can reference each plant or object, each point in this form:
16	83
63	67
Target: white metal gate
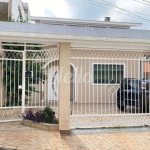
99	74
41	62
24	78
11	64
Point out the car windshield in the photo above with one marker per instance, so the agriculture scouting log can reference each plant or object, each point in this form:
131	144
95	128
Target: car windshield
134	84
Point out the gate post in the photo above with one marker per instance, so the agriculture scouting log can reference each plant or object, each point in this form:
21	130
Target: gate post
64	88
23	78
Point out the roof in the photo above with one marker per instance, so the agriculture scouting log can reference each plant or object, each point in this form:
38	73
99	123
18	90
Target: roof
77	36
78	22
74	30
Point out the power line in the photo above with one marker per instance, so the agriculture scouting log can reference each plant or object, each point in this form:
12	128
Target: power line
146	1
133	13
109	4
142	2
125	10
107	8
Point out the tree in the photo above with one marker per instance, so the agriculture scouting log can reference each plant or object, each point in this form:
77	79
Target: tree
4	15
13	68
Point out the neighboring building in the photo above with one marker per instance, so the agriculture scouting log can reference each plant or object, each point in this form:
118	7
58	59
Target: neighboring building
11	7
84	23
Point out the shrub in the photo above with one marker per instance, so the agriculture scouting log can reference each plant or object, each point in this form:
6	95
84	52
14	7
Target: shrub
45	116
29	115
39	116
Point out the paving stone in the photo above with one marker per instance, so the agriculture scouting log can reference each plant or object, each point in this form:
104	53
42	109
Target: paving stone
16	136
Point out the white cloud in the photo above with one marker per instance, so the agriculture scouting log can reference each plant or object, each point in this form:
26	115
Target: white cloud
59	8
74	9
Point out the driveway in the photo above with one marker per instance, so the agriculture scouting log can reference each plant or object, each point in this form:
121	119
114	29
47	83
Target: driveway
16	136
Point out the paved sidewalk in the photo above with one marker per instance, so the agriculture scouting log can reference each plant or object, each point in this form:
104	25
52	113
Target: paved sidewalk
16	136
110	139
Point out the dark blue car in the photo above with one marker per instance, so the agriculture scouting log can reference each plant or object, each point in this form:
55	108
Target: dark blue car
132	94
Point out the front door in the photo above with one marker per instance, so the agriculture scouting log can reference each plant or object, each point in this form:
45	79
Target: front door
53	83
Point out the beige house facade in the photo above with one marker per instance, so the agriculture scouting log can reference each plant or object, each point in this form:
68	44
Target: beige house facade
84	63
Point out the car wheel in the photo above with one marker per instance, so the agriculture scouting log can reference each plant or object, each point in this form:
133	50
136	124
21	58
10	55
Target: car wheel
121	107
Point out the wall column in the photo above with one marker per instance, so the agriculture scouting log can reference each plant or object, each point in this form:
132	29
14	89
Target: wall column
64	88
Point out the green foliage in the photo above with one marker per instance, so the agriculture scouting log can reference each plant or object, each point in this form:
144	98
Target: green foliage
45	116
48	114
4	16
20	18
13	69
11	103
13	73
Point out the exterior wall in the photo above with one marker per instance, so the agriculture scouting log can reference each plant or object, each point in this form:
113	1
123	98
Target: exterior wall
36	97
64	88
89	92
101	93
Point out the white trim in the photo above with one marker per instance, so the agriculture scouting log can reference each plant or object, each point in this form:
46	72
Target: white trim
109	49
141	61
13	120
95	23
106	64
74	68
139	72
75	80
105	58
23	79
103	115
13	107
35	37
55	59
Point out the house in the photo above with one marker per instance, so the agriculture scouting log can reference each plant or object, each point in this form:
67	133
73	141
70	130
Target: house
107	76
84	62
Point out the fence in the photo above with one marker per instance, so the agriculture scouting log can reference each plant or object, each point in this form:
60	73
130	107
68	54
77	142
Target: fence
100	98
107	88
24	72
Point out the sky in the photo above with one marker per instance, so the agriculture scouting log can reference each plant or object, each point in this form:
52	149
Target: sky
135	11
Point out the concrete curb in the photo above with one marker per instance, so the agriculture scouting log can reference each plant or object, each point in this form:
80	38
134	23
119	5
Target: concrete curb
42	126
